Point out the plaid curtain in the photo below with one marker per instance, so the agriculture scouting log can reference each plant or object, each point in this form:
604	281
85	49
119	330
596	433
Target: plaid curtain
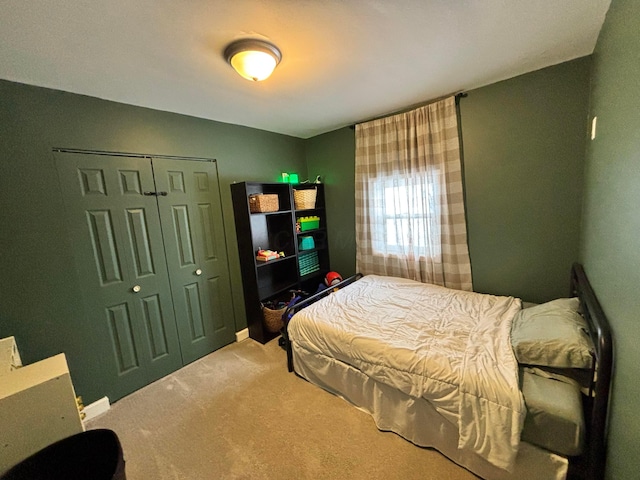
410	219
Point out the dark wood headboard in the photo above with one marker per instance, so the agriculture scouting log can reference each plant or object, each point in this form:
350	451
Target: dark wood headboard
591	464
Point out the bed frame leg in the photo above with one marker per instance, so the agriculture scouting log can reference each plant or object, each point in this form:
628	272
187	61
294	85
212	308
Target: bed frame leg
286	344
289	357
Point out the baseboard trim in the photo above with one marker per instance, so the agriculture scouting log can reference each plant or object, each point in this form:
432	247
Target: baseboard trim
242	335
96	408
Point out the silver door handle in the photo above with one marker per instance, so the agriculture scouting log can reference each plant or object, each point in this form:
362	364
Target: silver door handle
198	272
136	288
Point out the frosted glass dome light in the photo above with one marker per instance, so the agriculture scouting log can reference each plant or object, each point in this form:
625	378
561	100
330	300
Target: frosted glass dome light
254	60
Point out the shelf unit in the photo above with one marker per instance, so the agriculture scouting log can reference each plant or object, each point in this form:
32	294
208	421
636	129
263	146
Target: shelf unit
274	279
38	404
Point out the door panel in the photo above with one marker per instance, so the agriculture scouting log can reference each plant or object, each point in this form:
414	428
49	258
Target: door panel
117	240
206	224
156	334
192	225
194	311
216	294
182	234
122	338
139	241
104	246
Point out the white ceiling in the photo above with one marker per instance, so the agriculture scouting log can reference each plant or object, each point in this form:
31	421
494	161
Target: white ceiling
343	61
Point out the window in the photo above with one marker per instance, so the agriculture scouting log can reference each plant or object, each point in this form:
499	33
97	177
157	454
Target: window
409	197
405	215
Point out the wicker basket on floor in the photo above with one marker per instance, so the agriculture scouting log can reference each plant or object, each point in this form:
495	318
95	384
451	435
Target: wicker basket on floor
261	203
305	199
273	318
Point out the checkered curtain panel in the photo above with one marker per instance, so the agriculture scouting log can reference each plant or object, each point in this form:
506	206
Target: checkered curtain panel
410	218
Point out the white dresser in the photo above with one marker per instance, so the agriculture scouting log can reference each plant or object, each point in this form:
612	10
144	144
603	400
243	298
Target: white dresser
37	404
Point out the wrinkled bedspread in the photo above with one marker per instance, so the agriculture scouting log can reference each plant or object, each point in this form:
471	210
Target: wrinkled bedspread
448	346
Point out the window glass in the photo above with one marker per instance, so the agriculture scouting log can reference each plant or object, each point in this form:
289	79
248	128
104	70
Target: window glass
404	214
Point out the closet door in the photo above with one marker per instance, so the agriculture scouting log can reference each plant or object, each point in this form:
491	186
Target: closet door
119	255
195	246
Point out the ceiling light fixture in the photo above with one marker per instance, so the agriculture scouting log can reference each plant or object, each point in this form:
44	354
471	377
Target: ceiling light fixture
253	59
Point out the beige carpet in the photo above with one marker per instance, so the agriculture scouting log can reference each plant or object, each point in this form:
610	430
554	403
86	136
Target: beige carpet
238	414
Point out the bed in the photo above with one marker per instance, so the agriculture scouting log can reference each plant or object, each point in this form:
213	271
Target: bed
456	371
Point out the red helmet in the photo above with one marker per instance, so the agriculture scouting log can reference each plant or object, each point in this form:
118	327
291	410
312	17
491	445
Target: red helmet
332	278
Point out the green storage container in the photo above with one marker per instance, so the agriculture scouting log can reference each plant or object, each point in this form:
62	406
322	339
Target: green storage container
309	223
308	263
306	243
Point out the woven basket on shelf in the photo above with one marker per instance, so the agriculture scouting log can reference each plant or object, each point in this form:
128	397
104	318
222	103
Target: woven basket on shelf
305	199
273	318
261	203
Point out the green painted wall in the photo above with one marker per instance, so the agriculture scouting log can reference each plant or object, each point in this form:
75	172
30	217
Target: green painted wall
524	141
39	300
332	157
610	248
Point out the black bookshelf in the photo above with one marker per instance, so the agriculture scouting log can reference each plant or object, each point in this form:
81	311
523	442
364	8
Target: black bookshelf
275	279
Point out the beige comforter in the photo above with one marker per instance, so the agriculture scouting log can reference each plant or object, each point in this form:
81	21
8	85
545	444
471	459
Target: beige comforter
448	346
